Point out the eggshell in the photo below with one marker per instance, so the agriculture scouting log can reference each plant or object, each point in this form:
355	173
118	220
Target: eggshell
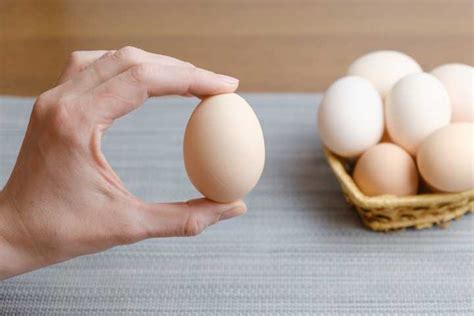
224	150
458	79
384	68
386	169
417	105
446	158
350	117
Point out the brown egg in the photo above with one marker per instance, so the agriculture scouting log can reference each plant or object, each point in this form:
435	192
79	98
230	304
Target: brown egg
386	169
224	150
446	158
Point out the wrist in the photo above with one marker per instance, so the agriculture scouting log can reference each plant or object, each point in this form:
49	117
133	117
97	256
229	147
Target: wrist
16	257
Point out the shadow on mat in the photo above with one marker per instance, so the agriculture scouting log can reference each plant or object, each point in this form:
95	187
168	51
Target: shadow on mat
319	188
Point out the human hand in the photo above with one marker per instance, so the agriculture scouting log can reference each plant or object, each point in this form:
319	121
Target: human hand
63	199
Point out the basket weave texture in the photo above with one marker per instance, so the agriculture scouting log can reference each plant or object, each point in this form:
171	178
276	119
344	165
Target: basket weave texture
388	212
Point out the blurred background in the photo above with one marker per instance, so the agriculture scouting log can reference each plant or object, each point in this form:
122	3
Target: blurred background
280	45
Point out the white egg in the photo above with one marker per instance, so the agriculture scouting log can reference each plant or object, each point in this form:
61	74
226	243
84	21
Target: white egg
458	80
384	68
416	106
350	117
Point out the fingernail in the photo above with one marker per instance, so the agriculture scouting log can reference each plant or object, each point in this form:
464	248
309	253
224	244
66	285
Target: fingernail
228	79
233	212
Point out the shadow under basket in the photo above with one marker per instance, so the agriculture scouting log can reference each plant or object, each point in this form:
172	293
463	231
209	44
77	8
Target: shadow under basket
388	212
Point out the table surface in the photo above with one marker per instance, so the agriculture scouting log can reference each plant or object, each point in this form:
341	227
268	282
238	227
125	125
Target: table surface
300	249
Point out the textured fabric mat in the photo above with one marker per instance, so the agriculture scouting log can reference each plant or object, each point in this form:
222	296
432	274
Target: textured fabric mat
300	249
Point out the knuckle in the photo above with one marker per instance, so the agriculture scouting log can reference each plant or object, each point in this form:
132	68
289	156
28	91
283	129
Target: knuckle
43	101
192	71
61	123
192	226
59	116
108	54
42	104
189	79
75	58
128	53
189	65
140	72
44	98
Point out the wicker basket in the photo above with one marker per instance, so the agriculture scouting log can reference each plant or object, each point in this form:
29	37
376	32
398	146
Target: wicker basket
386	212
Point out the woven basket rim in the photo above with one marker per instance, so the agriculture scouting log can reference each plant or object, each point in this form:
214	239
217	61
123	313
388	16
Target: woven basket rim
388	201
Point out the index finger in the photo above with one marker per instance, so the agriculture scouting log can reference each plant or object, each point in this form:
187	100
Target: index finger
125	92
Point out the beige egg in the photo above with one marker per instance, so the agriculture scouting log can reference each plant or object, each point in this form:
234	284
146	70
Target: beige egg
416	106
458	79
224	150
386	169
383	68
446	158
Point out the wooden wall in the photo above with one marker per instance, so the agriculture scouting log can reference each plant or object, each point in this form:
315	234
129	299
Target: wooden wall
279	45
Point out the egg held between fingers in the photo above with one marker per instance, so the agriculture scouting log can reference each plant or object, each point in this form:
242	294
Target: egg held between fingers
224	150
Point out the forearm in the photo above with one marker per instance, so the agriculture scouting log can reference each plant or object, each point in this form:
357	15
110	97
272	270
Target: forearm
16	257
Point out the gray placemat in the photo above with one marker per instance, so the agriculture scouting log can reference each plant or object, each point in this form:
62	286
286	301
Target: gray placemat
300	250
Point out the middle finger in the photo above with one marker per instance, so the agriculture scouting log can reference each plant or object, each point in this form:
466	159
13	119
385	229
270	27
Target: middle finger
110	66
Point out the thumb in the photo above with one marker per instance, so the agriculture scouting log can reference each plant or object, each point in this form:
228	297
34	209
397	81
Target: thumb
187	218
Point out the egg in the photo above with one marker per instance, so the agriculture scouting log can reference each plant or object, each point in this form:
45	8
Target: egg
223	148
386	169
416	106
384	68
350	116
458	79
446	158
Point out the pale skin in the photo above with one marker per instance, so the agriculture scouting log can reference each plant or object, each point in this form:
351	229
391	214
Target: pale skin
63	199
